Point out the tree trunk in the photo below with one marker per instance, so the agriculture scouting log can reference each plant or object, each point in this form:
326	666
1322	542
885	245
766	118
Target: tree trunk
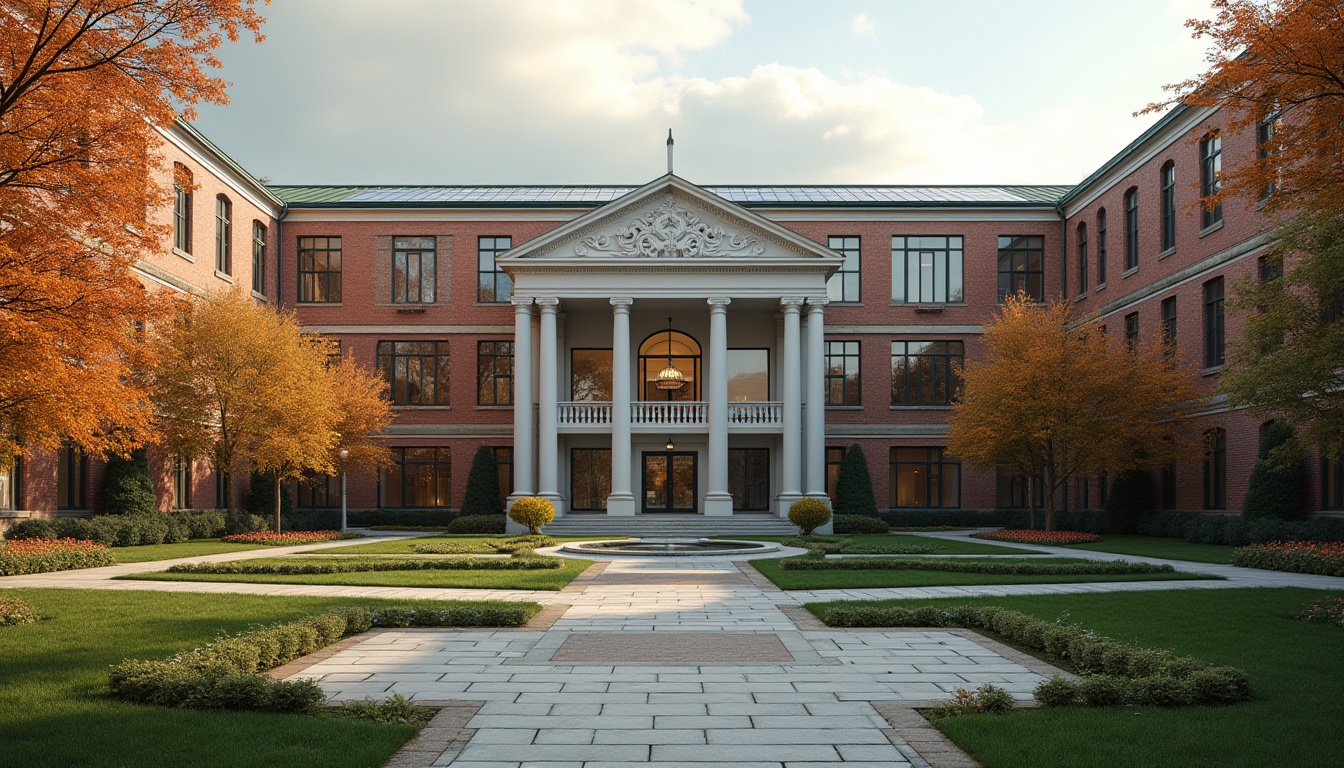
277	502
1031	500
1050	501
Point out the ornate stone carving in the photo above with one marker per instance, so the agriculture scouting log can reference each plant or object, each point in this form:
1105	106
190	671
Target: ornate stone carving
670	231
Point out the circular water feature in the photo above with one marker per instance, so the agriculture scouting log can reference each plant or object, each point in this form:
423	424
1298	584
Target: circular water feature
670	547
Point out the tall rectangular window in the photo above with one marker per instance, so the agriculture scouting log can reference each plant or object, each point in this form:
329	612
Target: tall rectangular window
182	184
258	257
10	497
1132	329
223	235
1101	247
1082	258
925	372
320	492
1168	482
181	483
1131	229
589	478
504	465
418	477
924	478
749	479
1169	324
927	270
843	286
834	457
842	373
1215	469
1270	269
1013	491
1332	484
416	371
1211	173
494	373
1213	323
1168	206
1080	493
413	267
221	489
590	375
72	474
1267	145
493	286
319	269
1022	266
748	375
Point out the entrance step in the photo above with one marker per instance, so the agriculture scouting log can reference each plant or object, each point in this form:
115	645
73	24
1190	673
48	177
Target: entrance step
670	526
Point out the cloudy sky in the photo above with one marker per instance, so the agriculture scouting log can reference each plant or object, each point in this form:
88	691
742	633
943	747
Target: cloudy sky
756	91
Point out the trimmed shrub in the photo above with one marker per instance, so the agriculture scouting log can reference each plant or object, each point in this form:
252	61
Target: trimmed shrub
128	488
125	530
433	518
859	524
1131	496
244	522
482	497
312	520
288	538
477	524
533	512
825	545
1275	490
1050	538
311	566
809	515
1005	567
854	486
1321	558
261	497
987	698
35	528
15	610
46	555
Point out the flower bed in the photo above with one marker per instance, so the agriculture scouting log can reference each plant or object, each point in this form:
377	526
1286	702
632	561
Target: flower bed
287	538
45	555
1051	538
1319	557
1004	567
1329	610
15	610
353	565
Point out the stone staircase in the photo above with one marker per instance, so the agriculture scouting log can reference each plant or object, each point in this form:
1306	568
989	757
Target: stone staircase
670	526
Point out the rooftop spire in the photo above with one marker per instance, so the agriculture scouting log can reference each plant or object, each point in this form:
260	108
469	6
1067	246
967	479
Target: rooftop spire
669	151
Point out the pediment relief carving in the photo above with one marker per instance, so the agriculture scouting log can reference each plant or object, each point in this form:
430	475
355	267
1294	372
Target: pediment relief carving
669	231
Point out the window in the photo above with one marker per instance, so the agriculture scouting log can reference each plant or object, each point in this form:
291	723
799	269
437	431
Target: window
1011	491
1211	171
1132	330
413	261
1103	488
924	478
72	472
1131	229
504	465
654	352
1266	132
417	371
221	490
1080	493
925	372
590	375
10	497
589	478
182	185
320	269
223	235
492	285
320	492
418	477
843	286
1101	247
749	479
926	270
834	457
181	483
1213	323
1082	257
1332	484
1215	469
494	373
748	375
1270	269
1168	483
1168	206
1022	267
258	257
1169	324
842	373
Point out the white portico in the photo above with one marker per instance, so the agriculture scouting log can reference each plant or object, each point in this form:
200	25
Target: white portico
661	362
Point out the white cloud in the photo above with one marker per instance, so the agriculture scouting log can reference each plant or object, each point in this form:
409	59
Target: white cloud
863	26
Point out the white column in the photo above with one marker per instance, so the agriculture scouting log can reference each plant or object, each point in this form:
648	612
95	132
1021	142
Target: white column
622	499
791	375
523	461
814	450
548	459
717	499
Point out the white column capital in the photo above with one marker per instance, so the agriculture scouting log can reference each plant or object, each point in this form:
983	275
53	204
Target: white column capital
718	303
548	304
813	305
792	304
521	305
621	304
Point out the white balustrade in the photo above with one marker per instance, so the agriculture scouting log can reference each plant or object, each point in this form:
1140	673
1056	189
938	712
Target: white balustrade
756	414
584	414
671	413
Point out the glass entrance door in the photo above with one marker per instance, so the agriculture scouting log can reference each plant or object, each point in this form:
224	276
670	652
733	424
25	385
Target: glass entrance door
669	482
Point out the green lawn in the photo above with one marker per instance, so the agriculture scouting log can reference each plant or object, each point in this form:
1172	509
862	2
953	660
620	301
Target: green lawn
55	710
1155	546
1295	673
407	546
866	579
549	580
193	548
888	539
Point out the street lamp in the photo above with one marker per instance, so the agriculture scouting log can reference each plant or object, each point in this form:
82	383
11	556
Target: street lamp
345	454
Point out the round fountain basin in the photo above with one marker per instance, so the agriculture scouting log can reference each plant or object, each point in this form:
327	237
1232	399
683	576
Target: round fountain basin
670	547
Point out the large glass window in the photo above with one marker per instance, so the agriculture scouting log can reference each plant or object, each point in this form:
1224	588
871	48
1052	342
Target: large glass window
504	465
685	357
10	497
494	373
1213	323
749	479
834	458
1211	173
181	483
924	477
842	373
925	372
1101	246
418	477
843	286
590	375
1082	257
748	375
1131	229
493	286
1022	266
1012	491
223	235
1215	469
72	474
926	270
1169	324
416	371
1168	482
1168	206
590	478
182	185
413	267
320	269
320	492
1266	132
258	257
1332	484
1132	329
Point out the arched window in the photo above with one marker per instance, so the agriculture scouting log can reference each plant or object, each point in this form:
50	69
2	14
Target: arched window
223	235
182	186
653	357
1101	246
1168	206
1132	228
1082	257
1215	469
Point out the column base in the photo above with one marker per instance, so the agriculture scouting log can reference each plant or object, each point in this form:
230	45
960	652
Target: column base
621	505
782	502
718	505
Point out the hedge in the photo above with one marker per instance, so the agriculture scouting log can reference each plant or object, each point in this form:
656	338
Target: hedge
310	566
825	545
47	555
228	673
502	546
963	518
125	530
859	524
1114	673
1237	531
477	524
1004	567
1321	558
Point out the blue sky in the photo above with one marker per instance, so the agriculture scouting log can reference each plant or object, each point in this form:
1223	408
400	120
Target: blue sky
756	91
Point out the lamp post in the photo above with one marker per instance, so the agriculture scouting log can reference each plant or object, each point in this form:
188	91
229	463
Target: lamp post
345	454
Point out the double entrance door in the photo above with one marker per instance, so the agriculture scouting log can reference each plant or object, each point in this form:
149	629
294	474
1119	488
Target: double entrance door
669	482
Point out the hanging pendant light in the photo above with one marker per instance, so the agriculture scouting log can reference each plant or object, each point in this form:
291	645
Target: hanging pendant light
669	379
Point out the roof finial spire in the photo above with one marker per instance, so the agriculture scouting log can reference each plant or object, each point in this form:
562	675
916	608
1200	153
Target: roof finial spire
669	151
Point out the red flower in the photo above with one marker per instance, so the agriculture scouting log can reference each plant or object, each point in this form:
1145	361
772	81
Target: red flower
1039	537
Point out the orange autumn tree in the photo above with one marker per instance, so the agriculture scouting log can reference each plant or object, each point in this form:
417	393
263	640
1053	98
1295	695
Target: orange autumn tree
82	85
1056	399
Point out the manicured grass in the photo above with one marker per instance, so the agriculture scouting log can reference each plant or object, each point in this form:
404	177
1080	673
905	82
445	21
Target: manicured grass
1293	719
890	539
407	546
150	552
55	709
548	580
1156	546
865	579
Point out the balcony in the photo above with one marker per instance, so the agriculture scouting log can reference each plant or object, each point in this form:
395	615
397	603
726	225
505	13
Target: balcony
674	415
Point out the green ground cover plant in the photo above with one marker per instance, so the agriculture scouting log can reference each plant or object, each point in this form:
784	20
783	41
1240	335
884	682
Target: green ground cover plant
322	565
1153	546
195	548
468	544
46	555
864	578
1008	566
551	579
834	545
1291	721
877	540
486	546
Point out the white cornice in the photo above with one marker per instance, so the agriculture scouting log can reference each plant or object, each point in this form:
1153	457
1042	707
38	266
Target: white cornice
406	329
206	159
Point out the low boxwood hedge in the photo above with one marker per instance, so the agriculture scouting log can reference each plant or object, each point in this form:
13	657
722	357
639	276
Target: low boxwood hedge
825	545
1007	567
477	524
125	530
1114	673
516	544
859	524
361	565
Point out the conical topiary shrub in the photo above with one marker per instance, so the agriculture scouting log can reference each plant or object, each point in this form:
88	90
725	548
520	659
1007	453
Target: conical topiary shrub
261	497
1275	491
127	487
854	487
482	497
